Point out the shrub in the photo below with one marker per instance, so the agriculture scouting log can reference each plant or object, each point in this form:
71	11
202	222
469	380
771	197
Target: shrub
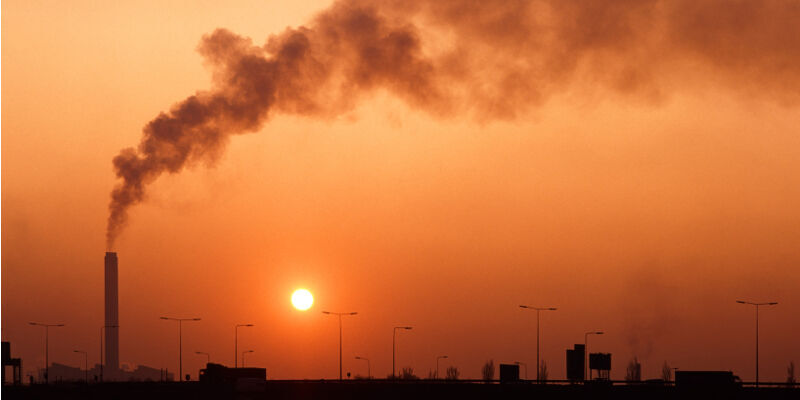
452	374
407	373
634	371
666	372
488	371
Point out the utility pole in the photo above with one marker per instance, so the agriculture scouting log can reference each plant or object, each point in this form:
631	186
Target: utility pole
85	363
394	345
538	309
757	305
46	347
236	344
180	342
340	336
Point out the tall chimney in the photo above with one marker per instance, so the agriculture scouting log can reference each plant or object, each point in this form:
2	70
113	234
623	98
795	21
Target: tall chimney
112	316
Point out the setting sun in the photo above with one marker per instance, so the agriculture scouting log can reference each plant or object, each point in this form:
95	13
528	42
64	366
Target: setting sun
302	299
488	180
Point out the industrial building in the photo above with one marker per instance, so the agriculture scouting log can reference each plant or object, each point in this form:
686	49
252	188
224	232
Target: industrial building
575	362
65	373
14	363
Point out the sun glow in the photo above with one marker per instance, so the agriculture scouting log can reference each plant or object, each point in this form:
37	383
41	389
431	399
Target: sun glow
302	299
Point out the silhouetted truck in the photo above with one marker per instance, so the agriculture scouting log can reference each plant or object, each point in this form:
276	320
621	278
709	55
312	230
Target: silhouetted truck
509	372
707	380
217	373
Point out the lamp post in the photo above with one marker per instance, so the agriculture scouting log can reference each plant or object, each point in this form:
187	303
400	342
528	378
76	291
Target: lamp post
394	341
101	347
586	351
208	356
340	336
180	342
526	368
369	372
538	309
85	363
236	344
243	353
46	347
437	365
757	305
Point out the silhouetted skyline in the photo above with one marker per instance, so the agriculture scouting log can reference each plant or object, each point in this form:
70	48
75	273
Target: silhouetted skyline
428	163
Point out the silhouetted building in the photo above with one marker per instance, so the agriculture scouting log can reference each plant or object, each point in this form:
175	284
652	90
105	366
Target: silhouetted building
218	373
66	373
509	372
14	363
575	362
61	373
601	362
112	317
146	374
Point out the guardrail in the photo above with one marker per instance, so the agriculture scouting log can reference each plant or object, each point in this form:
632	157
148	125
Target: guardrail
522	382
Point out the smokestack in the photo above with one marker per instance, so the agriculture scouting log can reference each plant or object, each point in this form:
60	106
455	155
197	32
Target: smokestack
112	316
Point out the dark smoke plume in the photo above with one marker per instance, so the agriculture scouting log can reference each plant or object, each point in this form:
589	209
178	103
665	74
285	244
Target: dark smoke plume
487	59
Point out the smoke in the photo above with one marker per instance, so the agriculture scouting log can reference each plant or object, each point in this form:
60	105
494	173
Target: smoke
648	308
451	58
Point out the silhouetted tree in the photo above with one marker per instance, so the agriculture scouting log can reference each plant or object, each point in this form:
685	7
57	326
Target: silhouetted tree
666	372
488	370
431	375
543	371
790	374
634	371
452	373
408	373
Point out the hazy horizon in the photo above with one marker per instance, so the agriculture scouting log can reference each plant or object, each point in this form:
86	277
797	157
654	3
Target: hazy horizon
641	209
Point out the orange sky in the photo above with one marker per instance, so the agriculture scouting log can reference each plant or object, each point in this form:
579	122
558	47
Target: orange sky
644	218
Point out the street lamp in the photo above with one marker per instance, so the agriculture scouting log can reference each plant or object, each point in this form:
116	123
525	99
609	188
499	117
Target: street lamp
526	368
369	372
180	342
437	365
236	344
538	309
208	356
394	341
101	347
85	363
46	347
243	353
757	305
340	336
586	351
